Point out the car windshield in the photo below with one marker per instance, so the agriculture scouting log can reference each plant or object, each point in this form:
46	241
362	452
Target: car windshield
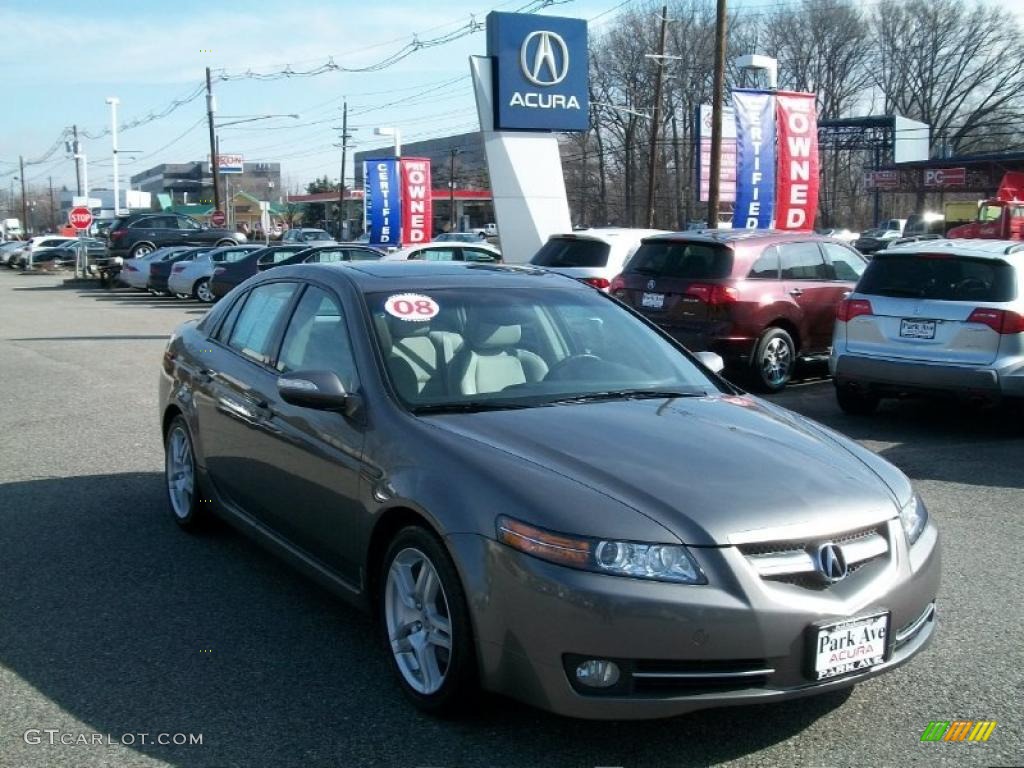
493	348
315	234
938	276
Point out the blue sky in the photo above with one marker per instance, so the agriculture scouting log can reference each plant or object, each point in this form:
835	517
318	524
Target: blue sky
64	58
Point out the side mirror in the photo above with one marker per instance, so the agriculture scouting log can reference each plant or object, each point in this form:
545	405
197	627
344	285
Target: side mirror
711	360
322	390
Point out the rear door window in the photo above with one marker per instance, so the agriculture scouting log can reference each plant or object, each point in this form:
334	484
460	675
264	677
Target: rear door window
564	252
691	261
803	261
253	331
938	276
479	255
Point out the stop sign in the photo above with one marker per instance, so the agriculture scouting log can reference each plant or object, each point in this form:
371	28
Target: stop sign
217	218
80	218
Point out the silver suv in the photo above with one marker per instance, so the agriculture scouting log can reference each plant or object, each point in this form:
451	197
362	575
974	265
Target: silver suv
939	316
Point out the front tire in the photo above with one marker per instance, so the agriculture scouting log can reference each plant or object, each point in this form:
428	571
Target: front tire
180	475
773	361
854	402
140	250
426	624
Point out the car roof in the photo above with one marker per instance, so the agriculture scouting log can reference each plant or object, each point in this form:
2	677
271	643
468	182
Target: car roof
440	247
383	276
975	248
610	235
732	236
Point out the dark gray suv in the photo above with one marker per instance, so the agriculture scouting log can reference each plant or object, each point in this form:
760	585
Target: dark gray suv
138	234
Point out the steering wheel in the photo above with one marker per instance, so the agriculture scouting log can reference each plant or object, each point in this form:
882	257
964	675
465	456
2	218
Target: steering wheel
574	364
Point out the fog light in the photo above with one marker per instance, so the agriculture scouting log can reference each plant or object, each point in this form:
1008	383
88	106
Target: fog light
596	673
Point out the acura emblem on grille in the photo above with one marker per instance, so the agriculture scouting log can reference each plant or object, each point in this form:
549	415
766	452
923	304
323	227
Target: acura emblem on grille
831	563
650	285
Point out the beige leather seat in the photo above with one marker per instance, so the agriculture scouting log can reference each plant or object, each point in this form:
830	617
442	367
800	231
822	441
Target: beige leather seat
418	357
492	360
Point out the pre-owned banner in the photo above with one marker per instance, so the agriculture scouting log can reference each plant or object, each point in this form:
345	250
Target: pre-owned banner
383	202
797	197
417	213
755	159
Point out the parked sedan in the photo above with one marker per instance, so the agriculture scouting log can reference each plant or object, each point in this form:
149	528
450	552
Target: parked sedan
539	492
135	272
941	317
9	249
761	299
478	252
327	254
460	237
229	274
66	253
192	278
874	240
306	235
160	272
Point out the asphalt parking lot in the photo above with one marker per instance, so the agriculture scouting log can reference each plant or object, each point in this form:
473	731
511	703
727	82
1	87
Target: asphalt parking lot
112	621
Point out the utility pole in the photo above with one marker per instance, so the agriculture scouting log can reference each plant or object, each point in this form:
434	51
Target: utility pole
451	189
53	208
214	158
341	180
714	183
113	101
24	207
652	169
78	171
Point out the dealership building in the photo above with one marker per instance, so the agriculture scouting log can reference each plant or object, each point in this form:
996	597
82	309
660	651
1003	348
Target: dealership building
192	183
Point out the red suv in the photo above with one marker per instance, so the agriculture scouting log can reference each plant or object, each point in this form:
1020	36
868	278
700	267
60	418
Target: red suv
759	298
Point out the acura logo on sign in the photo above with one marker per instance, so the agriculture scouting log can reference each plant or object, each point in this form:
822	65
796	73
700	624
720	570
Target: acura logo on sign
831	563
550	63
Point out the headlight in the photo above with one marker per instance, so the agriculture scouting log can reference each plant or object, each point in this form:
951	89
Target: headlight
914	517
660	562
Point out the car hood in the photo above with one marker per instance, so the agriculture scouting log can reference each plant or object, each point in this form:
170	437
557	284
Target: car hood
714	470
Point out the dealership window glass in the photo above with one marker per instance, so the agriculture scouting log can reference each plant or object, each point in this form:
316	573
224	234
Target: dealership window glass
767	265
317	340
846	264
564	252
696	261
252	334
803	261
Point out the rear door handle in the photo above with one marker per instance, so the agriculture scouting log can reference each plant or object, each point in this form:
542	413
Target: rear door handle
796	292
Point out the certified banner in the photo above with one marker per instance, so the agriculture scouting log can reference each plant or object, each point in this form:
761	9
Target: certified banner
383	202
755	159
797	198
417	210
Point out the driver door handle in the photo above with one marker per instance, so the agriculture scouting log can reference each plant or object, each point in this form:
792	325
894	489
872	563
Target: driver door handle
796	292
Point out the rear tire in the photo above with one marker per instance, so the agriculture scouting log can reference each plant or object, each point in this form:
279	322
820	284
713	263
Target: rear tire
774	358
202	291
854	402
424	618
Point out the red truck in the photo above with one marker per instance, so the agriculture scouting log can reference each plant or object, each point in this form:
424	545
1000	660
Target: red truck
1001	217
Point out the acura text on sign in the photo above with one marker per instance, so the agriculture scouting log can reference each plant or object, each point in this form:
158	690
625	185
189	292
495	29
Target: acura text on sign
541	69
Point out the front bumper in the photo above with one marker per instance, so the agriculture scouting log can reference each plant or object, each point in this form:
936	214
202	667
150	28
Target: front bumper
530	616
896	376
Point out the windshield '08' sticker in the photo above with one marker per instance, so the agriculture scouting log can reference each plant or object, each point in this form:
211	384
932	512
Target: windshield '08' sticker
414	307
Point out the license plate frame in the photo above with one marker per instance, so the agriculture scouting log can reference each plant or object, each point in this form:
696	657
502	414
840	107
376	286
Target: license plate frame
652	301
913	328
859	662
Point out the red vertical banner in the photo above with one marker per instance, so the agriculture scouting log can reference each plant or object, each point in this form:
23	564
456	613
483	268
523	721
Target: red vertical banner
417	210
796	201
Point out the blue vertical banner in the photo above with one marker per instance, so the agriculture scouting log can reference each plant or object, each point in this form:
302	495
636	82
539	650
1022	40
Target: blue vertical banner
383	202
755	158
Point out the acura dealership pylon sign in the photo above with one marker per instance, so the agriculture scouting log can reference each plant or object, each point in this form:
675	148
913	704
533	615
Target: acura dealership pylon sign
541	68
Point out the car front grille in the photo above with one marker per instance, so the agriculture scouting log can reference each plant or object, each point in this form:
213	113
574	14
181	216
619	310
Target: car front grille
793	561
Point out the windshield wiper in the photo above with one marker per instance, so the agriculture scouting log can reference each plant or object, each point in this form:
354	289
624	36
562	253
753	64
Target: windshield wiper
470	406
626	394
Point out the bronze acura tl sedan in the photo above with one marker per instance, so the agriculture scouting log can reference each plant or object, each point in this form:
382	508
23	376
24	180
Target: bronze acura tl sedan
540	493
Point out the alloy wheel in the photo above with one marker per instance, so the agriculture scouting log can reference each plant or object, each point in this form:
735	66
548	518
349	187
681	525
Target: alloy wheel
418	621
141	250
203	292
776	362
180	470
